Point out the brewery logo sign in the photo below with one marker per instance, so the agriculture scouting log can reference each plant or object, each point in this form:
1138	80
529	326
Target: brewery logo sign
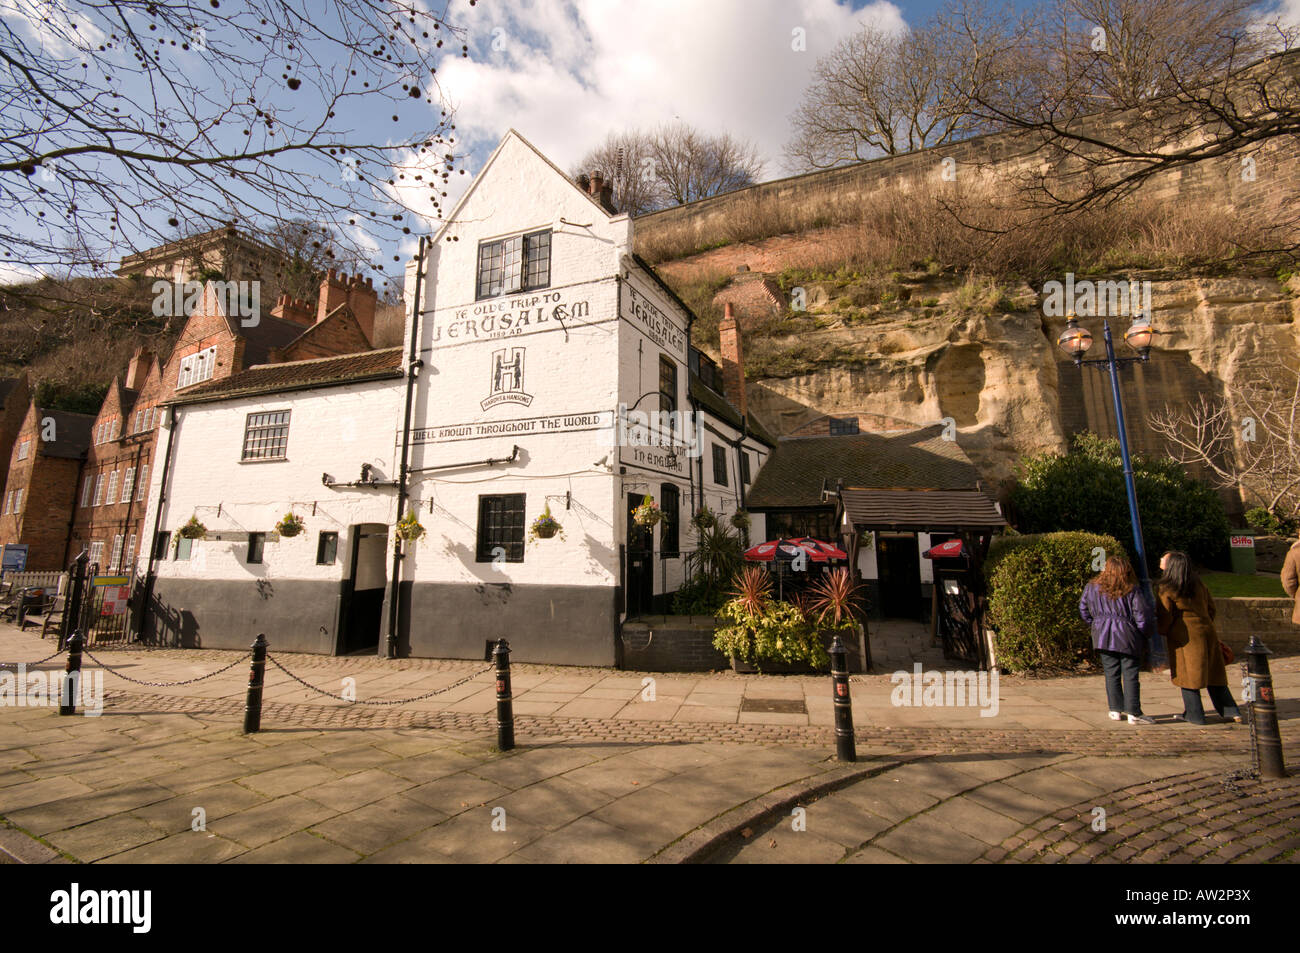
507	378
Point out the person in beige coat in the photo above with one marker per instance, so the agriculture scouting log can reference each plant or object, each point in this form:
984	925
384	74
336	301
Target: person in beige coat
1185	617
1291	579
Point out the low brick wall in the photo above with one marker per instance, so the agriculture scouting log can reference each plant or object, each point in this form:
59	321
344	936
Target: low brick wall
671	644
1270	619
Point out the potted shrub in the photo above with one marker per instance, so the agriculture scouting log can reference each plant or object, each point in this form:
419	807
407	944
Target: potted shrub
740	520
648	513
409	528
705	519
290	526
545	526
832	604
743	614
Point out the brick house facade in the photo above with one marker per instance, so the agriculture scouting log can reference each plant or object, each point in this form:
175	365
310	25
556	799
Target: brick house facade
44	474
15	398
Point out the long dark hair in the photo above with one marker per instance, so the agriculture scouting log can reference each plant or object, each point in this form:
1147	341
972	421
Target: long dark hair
1179	576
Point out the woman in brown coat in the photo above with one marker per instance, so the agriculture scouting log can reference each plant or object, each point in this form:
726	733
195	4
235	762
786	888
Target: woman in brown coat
1185	617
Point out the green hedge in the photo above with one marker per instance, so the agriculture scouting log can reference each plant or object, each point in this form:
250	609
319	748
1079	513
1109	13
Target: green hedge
1035	582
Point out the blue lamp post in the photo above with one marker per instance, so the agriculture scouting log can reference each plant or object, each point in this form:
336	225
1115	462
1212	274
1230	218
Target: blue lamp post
1075	341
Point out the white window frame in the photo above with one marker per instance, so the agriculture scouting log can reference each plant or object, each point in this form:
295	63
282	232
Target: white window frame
144	483
24	448
9	499
197	367
128	485
111	496
87	490
99	489
115	559
130	554
96	551
18	501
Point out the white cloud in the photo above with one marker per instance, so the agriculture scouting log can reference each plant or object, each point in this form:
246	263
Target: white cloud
566	73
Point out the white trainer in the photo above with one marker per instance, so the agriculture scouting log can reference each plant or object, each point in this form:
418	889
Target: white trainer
1116	716
1140	720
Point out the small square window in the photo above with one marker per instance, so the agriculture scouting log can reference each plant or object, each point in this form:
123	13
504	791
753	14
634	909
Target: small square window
256	543
844	426
266	436
183	547
500	527
327	549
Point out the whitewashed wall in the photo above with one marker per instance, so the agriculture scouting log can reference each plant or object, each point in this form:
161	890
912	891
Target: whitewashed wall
331	430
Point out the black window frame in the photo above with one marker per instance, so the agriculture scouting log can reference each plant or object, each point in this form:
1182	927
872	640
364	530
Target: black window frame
266	427
746	475
162	539
720	465
327	541
494	260
256	548
501	517
670	503
667	376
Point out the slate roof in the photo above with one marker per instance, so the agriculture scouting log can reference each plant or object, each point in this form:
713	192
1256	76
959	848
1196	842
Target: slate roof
269	332
298	375
919	459
71	434
921	510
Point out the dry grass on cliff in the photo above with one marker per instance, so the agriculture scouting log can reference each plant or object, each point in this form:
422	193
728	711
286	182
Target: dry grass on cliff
985	230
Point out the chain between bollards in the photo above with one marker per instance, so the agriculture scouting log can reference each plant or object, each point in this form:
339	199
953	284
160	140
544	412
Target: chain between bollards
72	675
845	749
256	677
1268	750
505	708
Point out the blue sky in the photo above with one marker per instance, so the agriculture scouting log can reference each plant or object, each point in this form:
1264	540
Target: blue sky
566	73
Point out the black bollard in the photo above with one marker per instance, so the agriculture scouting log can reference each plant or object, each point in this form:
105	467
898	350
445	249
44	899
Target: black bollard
72	676
845	749
256	676
1268	746
505	708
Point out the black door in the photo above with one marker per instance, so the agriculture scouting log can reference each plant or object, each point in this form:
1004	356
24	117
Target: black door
640	562
900	576
363	590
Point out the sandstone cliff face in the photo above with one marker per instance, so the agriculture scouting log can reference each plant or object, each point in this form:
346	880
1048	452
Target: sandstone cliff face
998	376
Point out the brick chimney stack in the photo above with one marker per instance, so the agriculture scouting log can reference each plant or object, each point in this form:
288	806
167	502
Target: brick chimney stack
138	370
356	292
733	361
293	309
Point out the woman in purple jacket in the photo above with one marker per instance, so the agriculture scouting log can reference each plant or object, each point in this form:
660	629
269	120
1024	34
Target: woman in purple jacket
1113	605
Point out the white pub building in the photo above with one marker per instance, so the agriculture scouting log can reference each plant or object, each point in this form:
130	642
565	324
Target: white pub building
545	367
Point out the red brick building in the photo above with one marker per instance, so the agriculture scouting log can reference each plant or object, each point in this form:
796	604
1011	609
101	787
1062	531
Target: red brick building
44	472
113	494
15	398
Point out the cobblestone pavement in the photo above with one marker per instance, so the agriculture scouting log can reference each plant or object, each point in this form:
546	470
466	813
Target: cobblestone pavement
603	774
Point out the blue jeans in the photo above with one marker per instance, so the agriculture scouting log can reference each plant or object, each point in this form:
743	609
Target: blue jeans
1220	698
1122	691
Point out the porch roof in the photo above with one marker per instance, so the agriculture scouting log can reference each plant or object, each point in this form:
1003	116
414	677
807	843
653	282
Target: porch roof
921	510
